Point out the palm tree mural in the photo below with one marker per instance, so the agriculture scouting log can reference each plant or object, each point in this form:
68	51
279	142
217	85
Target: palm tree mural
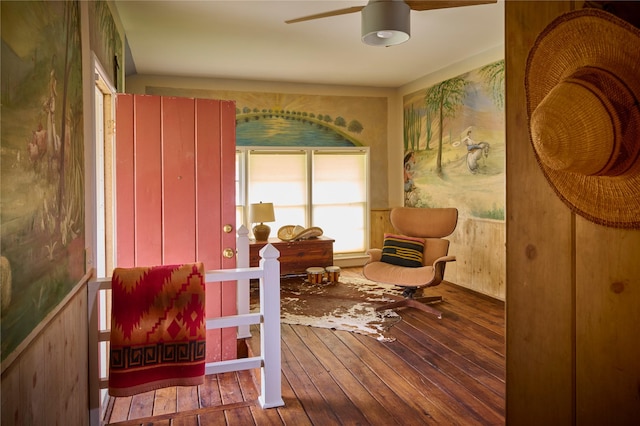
493	79
106	41
428	114
412	129
445	99
441	172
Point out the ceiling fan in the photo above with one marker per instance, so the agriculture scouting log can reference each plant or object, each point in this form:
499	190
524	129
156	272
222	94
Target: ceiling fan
386	22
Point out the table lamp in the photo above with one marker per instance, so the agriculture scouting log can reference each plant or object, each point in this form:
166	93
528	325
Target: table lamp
260	213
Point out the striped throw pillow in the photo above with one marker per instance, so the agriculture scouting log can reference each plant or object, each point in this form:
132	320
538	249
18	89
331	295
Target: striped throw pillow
402	250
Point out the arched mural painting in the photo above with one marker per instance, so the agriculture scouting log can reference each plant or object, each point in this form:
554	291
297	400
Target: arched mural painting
269	127
280	119
454	143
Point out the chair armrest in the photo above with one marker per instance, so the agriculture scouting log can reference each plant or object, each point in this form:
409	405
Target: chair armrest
444	259
439	265
375	254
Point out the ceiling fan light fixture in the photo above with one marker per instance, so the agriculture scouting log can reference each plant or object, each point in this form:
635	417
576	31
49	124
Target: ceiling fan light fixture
386	23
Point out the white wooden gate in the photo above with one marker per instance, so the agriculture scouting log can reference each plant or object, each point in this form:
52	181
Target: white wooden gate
268	317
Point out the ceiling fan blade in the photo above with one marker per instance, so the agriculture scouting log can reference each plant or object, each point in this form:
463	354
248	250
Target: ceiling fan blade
444	4
327	14
413	4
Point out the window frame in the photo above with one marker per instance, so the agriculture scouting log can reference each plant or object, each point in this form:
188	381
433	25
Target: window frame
242	199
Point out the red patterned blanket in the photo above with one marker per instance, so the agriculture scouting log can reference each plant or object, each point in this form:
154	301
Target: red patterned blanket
158	329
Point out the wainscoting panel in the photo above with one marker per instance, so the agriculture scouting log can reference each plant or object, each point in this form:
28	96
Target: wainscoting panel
47	383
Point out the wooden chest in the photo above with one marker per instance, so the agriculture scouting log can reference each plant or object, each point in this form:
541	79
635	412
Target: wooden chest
296	256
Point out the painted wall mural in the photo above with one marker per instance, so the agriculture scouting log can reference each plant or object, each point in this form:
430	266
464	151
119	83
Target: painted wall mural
269	127
42	163
106	42
278	119
454	144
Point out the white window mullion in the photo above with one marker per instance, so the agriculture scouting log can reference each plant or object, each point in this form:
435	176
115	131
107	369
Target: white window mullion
310	161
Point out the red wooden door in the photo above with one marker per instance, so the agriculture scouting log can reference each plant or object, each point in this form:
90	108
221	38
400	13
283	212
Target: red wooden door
175	192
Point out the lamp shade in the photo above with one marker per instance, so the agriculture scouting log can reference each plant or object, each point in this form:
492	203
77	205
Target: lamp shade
262	212
385	23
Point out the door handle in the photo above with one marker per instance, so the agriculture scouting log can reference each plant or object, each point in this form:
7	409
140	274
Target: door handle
228	253
227	228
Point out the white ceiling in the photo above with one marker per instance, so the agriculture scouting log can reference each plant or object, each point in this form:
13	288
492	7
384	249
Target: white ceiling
249	40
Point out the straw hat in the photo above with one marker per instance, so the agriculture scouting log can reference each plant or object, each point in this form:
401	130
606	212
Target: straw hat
583	84
297	232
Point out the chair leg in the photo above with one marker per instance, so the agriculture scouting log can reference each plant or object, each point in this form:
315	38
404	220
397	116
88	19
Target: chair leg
429	299
414	303
399	304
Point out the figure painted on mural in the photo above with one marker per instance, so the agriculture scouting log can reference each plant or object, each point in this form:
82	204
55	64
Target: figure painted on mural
470	143
409	165
50	109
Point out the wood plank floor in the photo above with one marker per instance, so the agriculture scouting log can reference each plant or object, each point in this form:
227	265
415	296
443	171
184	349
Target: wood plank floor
436	372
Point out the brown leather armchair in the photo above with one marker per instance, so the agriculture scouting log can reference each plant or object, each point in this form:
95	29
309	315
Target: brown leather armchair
399	261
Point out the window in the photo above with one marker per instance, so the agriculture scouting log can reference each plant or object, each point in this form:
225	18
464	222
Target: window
339	201
282	179
325	187
104	111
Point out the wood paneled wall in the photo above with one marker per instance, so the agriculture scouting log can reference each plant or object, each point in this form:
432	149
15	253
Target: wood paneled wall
379	224
479	247
47	384
573	287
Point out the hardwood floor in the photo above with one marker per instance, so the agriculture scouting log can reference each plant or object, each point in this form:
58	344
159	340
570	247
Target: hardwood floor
440	372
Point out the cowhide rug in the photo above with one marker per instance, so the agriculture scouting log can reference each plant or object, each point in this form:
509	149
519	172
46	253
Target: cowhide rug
347	305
